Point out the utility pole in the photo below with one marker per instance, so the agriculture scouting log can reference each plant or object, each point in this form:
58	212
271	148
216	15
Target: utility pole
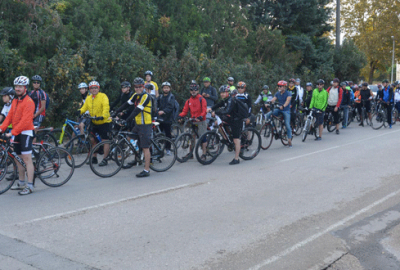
337	24
391	78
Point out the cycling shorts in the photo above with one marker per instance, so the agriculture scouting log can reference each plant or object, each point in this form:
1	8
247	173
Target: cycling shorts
319	118
102	130
23	144
144	132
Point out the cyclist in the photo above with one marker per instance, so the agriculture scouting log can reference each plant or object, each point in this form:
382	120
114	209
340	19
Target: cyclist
245	98
365	94
284	99
197	106
396	99
379	90
386	96
226	110
300	91
20	116
231	82
346	103
98	106
335	94
264	97
209	93
293	103
125	95
319	101
39	97
8	94
166	103
83	89
148	75
307	95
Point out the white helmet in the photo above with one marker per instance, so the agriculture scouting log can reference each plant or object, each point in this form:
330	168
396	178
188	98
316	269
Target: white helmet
21	80
82	85
94	83
166	84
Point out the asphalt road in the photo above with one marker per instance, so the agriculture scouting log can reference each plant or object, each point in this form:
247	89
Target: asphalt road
302	208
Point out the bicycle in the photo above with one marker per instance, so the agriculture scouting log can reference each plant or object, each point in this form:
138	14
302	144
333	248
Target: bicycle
63	135
309	126
328	120
297	127
364	114
45	135
48	164
379	118
273	128
250	143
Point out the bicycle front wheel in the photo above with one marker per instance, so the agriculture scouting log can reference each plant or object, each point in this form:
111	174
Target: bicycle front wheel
79	147
283	135
7	166
250	143
378	120
297	128
185	144
267	136
209	142
52	167
163	154
307	127
113	161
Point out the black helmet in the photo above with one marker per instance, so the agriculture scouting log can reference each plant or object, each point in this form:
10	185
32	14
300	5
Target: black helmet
234	92
126	84
364	84
149	86
148	73
224	88
194	86
265	87
36	78
138	81
385	81
8	91
320	81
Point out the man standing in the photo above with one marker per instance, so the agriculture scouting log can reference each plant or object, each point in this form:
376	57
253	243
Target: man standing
307	95
319	101
149	77
300	91
386	96
209	93
39	98
346	102
165	104
334	100
231	85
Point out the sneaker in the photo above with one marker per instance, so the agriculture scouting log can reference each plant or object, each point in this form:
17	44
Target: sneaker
188	156
361	125
390	126
290	146
234	162
27	190
143	174
169	153
343	127
337	132
17	186
103	163
94	161
318	138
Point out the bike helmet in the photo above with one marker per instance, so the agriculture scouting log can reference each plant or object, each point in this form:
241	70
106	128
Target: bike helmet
379	85
298	80
343	84
336	80
292	80
356	86
231	79
241	84
385	81
282	83
224	88
36	78
265	87
126	84
351	83
8	91
206	79
234	92
320	81
165	84
94	83
148	73
21	80
309	84
82	85
194	86
149	86
138	81
364	84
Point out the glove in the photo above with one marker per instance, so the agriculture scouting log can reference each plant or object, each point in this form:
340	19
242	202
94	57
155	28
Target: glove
99	118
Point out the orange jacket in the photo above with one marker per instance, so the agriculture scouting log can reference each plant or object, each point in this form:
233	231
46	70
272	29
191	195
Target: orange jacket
20	115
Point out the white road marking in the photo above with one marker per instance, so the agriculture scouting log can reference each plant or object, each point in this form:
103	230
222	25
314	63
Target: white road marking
315	236
338	146
84	209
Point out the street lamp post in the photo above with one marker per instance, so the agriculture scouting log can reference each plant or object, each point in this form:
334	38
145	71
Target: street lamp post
391	78
337	24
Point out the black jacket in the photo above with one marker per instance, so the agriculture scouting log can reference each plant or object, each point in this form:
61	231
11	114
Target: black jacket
166	104
226	108
246	99
121	99
307	98
294	101
213	95
346	97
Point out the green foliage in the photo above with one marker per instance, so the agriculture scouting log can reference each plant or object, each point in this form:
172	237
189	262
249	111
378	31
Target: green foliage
348	61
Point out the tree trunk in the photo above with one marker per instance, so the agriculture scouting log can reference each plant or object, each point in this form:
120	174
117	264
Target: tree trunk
372	69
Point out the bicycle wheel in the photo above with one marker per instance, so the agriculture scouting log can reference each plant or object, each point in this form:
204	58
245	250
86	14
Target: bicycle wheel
395	115
250	143
378	120
47	137
7	166
307	127
114	159
267	136
57	134
330	125
185	144
297	128
79	147
129	154
283	135
212	146
52	168
175	131
163	154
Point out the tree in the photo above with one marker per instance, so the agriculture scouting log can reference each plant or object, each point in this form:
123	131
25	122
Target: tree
348	61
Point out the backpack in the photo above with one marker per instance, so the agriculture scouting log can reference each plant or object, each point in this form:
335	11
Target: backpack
153	106
242	110
175	110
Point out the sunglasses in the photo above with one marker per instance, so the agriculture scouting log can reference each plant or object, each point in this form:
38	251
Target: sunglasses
137	87
280	86
35	82
193	90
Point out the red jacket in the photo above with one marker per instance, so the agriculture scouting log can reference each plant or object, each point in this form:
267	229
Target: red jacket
196	105
340	95
20	115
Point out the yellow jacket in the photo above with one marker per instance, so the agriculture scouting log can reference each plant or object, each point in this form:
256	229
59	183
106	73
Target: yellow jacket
97	106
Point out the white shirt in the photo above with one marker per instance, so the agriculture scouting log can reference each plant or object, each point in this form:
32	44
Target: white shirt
300	93
6	109
333	97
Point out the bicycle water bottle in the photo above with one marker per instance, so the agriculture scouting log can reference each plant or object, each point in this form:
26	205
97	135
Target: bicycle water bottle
134	143
78	131
98	137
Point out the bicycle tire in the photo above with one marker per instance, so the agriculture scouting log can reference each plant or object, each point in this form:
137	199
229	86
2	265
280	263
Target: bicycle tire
80	149
395	115
330	126
161	161
307	126
115	157
47	137
213	145
52	161
175	131
283	135
129	154
7	165
57	134
297	126
185	145
250	144
378	120
267	136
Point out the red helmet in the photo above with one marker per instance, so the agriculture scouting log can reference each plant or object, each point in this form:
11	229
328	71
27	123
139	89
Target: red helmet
241	84
282	83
